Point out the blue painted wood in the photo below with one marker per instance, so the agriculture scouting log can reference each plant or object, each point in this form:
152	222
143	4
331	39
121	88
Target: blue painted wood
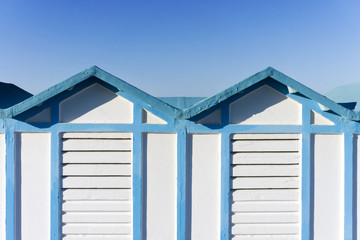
10	184
181	184
137	162
55	199
225	187
349	188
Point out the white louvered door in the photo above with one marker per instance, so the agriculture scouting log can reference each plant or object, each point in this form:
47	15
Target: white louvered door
265	186
96	186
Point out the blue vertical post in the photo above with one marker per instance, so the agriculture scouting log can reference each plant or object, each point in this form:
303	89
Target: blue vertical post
55	203
10	184
181	184
137	174
349	188
307	179
225	186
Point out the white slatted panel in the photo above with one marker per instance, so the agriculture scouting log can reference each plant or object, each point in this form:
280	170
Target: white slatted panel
96	183
265	186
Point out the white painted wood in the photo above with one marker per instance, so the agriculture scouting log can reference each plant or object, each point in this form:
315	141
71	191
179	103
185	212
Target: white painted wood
96	217
97	135
265	182
318	119
211	119
96	182
205	189
96	206
119	228
257	145
97	194
42	117
160	159
97	157
290	228
96	145
267	237
329	186
266	158
266	195
266	170
96	104
33	162
265	106
150	118
267	217
98	237
269	136
97	185
265	186
97	170
2	186
266	206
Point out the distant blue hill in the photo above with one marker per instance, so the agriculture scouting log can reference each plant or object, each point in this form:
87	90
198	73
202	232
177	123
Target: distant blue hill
346	94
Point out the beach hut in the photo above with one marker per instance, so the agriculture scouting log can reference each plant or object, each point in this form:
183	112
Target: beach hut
94	157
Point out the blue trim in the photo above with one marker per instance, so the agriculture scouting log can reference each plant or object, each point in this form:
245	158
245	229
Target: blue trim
138	208
55	200
181	184
307	179
10	184
350	195
225	187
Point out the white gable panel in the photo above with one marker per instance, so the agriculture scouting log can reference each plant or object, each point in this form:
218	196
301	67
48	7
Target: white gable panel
265	106
96	104
150	118
42	117
318	119
212	118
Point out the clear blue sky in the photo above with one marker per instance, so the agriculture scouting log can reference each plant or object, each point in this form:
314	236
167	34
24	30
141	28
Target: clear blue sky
180	47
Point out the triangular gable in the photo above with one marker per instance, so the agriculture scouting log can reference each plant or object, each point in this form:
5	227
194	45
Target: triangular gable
188	113
273	74
150	118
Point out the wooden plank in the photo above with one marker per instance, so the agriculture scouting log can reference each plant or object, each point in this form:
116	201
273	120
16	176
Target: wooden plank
265	158
273	206
97	194
96	182
257	229
266	237
265	136
266	195
282	217
265	182
96	206
97	217
96	145
97	157
97	237
120	228
96	169
104	135
265	170
265	146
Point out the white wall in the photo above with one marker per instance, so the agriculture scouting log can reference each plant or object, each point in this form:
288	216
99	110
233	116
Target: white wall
2	187
328	156
96	104
160	159
265	106
33	186
205	195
